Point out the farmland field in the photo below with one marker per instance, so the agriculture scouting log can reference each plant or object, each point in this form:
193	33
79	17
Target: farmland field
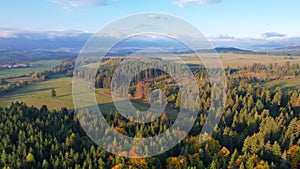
38	67
235	60
38	94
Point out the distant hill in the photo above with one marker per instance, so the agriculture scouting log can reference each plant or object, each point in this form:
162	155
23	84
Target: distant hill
292	50
132	50
232	50
22	56
218	50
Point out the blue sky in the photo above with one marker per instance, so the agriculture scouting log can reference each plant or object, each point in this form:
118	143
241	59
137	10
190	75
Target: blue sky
237	18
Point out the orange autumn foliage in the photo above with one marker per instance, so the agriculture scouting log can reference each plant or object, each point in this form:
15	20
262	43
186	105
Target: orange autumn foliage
138	162
120	130
118	166
293	155
261	164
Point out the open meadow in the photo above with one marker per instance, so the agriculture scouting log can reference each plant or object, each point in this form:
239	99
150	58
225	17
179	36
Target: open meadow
235	60
285	84
39	94
37	67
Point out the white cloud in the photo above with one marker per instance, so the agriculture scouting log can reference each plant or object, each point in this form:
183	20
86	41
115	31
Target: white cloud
221	37
77	3
115	34
37	34
7	33
155	16
182	3
273	35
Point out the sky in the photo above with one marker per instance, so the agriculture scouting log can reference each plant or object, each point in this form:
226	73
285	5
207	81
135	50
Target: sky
214	18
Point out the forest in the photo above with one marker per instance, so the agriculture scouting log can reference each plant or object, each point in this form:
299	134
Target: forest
260	127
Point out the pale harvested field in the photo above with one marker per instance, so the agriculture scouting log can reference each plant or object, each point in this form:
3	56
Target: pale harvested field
234	60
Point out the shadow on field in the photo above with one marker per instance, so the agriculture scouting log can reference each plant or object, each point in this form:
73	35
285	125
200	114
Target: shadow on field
27	93
109	108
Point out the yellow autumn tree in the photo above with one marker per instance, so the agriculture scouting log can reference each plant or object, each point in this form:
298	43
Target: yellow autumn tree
293	156
30	158
177	162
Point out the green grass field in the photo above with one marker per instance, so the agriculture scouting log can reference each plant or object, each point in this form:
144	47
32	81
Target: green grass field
38	67
286	84
39	94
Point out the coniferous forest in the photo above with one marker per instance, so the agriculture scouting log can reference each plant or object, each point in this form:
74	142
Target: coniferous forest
260	128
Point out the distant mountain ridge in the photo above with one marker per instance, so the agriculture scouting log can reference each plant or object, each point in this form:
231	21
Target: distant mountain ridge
232	50
292	50
73	42
218	50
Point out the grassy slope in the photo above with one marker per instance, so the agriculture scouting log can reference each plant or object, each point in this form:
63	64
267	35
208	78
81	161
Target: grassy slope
286	84
39	93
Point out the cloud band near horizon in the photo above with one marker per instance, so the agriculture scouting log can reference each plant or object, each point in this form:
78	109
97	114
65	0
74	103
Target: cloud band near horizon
182	3
78	3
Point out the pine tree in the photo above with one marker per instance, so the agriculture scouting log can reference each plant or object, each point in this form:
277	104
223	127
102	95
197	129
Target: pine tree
232	162
45	164
178	100
3	157
214	164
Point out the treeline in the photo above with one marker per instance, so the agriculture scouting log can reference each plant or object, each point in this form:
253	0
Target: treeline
271	71
287	69
255	73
